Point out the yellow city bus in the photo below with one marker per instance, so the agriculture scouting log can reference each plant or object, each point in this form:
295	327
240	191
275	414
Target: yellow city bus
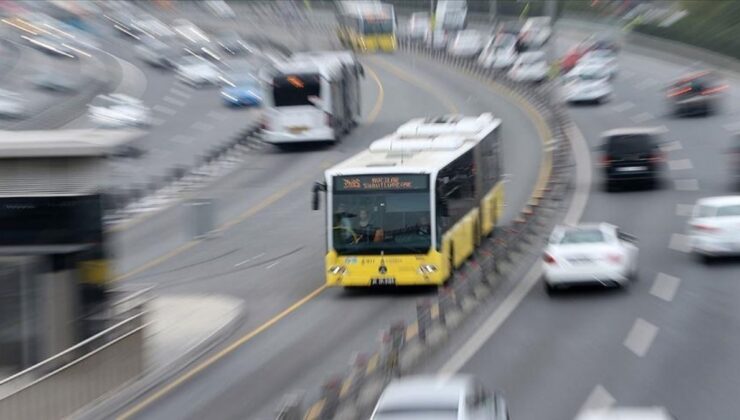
367	26
414	206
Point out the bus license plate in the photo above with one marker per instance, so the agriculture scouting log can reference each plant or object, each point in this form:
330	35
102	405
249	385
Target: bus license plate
297	130
382	281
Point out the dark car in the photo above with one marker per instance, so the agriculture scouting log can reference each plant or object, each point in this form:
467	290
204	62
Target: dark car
696	93
631	156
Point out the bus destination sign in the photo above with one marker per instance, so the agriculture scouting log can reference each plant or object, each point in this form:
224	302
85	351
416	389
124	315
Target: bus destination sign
394	182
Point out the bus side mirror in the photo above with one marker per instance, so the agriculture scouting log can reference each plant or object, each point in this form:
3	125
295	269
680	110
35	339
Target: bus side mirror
317	187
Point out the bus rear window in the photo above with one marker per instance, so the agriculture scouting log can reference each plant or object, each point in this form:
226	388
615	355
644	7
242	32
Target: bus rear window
295	89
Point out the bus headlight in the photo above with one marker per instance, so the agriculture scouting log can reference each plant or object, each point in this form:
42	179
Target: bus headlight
427	268
337	270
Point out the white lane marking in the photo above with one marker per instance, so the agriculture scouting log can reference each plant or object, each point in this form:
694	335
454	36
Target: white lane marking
181	93
680	164
272	265
623	106
218	115
665	287
684	210
465	352
598	399
679	242
173	101
164	110
640	337
181	139
732	127
239	264
201	126
642	117
671	146
687	184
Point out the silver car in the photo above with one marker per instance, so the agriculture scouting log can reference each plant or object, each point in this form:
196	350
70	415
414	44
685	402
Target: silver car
459	397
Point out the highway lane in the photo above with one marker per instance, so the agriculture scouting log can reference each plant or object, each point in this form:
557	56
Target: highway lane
668	340
279	268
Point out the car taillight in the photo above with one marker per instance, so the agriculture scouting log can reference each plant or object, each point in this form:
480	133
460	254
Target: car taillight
676	92
614	258
606	159
713	90
705	228
549	259
656	157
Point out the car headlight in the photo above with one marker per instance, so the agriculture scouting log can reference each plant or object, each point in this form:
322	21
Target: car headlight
427	268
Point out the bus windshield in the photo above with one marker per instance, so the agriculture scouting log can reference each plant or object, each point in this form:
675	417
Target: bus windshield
295	89
373	214
377	26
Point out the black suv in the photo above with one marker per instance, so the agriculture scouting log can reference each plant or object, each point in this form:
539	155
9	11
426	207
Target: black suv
696	93
632	155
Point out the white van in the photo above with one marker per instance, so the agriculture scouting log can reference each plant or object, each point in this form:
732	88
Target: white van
451	15
307	102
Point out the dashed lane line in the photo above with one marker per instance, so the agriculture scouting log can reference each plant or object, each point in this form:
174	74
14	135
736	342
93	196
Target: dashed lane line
642	117
640	337
164	110
598	399
624	106
684	210
665	287
680	164
679	242
686	184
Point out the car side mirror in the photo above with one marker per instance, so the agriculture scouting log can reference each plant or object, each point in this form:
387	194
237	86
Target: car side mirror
317	188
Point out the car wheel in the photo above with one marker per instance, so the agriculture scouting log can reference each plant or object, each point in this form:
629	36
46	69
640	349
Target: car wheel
549	288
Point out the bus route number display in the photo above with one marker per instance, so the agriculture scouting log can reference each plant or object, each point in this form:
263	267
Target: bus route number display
381	182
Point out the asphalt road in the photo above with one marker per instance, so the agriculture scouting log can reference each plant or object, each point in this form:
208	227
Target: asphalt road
271	251
671	339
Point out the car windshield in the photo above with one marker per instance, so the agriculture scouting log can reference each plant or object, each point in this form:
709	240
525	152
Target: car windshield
296	89
582	236
377	26
731	210
629	144
381	213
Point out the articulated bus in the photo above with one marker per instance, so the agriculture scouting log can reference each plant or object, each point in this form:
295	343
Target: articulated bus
414	206
367	26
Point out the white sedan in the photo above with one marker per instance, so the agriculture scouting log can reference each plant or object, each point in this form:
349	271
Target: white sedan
603	59
197	72
118	110
500	53
459	397
529	67
714	228
581	85
466	43
589	254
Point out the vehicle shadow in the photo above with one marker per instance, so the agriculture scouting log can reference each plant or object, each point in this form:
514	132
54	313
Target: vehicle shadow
591	290
384	291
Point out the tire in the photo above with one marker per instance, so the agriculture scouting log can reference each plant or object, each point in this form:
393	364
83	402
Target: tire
549	288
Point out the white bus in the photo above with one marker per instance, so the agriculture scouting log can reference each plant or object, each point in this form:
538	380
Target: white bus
309	100
451	15
413	207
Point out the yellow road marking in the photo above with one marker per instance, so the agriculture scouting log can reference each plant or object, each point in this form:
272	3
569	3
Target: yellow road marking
211	360
372	363
315	410
403	75
379	100
411	331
